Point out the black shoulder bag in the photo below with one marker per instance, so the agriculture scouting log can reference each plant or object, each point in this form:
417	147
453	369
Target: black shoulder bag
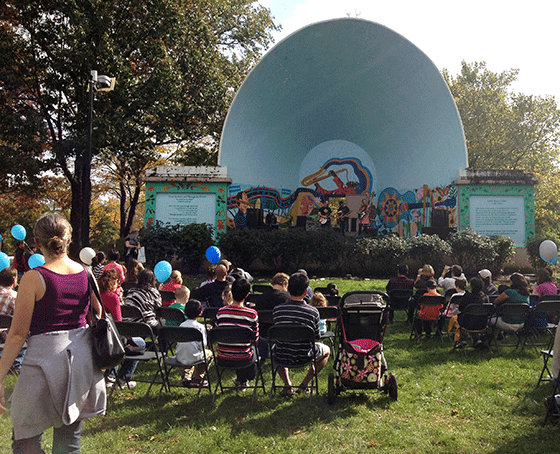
108	348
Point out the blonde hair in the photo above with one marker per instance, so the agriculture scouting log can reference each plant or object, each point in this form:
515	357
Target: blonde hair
176	276
318	300
182	293
227	296
53	232
428	272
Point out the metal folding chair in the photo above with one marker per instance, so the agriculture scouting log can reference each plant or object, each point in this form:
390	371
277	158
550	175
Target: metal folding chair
399	299
235	335
328	313
428	300
279	337
172	335
521	310
474	316
152	353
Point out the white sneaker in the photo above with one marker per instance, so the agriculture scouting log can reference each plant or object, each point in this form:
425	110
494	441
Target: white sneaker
130	384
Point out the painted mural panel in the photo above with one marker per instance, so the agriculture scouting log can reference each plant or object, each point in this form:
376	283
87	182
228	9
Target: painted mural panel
390	212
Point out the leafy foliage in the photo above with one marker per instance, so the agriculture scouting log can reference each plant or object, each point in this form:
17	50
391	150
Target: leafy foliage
473	251
380	256
508	130
533	250
182	245
177	63
430	249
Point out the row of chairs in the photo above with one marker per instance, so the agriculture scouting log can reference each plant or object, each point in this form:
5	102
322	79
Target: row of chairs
161	351
161	345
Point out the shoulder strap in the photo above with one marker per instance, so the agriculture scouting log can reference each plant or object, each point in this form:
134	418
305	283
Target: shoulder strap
92	284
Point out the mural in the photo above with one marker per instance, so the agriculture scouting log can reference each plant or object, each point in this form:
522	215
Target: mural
390	212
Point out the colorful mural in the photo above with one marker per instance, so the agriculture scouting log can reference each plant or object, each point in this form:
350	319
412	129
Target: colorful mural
391	212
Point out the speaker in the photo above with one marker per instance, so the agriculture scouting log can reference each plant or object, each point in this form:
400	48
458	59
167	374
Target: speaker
254	217
301	222
440	219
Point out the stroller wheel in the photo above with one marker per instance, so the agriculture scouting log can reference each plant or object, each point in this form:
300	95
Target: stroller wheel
393	389
331	391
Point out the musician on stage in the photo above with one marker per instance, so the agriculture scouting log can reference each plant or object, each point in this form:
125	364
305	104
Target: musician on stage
325	215
342	216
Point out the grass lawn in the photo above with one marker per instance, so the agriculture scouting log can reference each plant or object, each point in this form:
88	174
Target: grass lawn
483	403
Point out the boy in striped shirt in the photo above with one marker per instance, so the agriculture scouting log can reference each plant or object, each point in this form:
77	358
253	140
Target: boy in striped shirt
236	314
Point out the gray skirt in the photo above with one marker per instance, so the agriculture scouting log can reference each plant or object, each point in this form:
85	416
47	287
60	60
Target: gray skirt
59	383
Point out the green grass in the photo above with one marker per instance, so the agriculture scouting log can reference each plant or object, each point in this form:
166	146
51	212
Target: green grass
448	403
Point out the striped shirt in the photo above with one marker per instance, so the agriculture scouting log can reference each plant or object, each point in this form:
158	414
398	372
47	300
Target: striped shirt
237	316
296	313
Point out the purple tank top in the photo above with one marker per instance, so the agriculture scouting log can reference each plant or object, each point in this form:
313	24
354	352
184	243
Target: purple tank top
64	305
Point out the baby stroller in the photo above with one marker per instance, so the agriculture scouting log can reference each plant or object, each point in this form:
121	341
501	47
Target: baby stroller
359	360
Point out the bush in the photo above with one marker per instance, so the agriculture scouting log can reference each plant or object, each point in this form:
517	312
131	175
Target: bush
430	249
473	251
185	245
379	256
505	248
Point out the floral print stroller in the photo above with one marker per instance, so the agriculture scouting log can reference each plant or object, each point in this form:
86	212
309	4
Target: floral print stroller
359	360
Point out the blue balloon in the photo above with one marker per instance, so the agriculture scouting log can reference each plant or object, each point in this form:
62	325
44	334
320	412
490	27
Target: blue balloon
213	254
36	260
4	261
162	270
18	232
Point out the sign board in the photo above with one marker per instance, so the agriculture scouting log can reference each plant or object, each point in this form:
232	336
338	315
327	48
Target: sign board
185	208
499	215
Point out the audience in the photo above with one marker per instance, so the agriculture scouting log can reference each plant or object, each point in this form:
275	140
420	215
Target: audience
191	352
489	288
296	311
146	298
174	282
428	313
210	295
242	357
518	293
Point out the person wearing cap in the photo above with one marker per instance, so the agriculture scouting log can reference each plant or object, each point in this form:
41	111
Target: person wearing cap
488	288
131	246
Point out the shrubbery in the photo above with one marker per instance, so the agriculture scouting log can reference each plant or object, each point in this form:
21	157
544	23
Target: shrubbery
325	252
182	245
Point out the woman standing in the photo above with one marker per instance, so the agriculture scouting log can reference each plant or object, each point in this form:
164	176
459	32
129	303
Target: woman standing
58	370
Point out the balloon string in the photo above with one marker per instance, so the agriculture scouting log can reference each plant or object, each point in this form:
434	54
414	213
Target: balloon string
27	245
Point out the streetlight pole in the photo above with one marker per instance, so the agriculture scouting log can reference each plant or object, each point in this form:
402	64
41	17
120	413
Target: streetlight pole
96	83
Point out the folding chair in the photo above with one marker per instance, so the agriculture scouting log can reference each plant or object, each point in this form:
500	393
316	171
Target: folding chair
552	406
152	353
547	309
474	316
131	313
281	336
399	300
166	315
5	323
167	295
328	313
209	315
173	334
261	288
520	310
235	335
333	300
428	300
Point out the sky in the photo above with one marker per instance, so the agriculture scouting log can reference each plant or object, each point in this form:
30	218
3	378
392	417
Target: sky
504	34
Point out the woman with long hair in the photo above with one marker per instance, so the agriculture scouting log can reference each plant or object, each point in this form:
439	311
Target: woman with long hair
59	385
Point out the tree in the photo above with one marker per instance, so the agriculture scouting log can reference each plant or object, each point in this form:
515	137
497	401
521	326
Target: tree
177	63
508	130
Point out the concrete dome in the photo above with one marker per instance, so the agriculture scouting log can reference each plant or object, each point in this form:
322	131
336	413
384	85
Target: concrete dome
338	89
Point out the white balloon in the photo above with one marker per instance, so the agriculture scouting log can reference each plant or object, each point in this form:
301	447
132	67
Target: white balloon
548	250
86	255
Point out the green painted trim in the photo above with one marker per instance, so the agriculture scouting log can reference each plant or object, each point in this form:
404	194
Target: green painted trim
528	193
220	189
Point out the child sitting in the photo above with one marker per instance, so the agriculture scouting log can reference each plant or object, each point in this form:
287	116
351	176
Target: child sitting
427	313
319	300
182	295
452	309
191	352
